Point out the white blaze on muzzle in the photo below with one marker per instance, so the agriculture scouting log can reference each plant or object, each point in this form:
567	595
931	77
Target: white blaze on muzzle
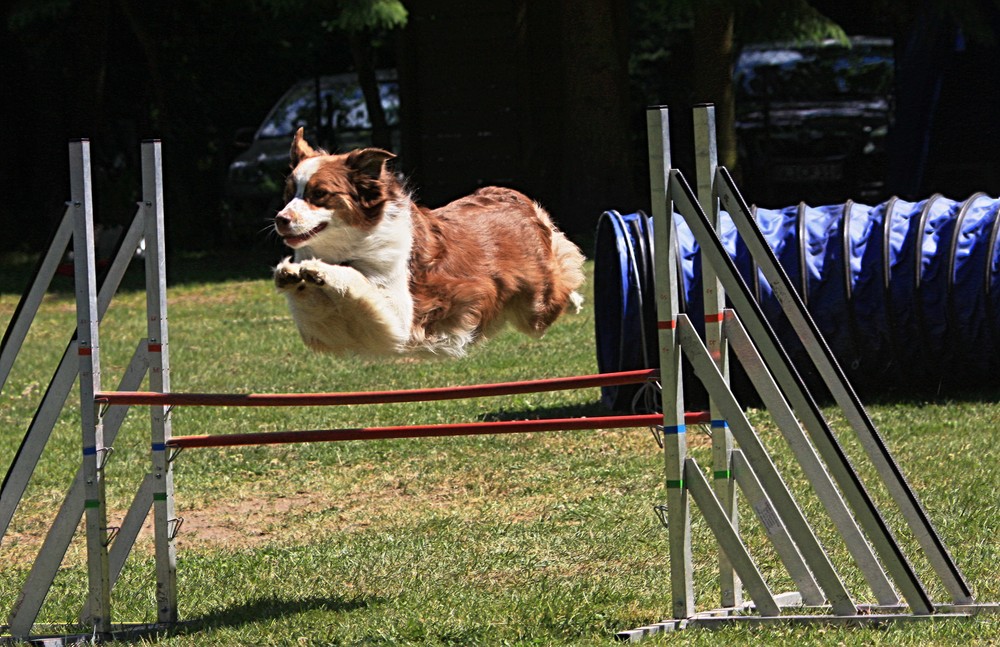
297	210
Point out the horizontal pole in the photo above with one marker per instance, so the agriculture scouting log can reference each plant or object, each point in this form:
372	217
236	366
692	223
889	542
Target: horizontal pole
430	431
372	397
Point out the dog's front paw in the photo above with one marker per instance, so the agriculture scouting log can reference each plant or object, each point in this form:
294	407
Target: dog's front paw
286	274
312	273
289	276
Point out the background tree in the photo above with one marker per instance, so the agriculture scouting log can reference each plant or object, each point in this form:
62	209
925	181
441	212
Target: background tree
579	62
364	25
365	22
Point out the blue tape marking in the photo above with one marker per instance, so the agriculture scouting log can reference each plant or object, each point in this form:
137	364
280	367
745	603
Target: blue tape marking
90	451
675	429
719	424
159	447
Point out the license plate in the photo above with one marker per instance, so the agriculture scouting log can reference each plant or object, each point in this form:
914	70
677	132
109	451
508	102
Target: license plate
824	172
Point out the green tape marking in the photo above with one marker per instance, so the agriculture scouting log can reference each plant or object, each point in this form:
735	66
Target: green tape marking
723	474
675	485
159	496
91	503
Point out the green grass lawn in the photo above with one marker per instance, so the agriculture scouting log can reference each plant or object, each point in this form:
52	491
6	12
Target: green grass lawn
519	539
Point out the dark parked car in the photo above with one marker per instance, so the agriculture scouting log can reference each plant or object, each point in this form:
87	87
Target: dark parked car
812	121
256	177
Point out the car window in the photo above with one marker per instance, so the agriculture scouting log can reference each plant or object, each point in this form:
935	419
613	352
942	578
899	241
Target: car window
814	73
342	107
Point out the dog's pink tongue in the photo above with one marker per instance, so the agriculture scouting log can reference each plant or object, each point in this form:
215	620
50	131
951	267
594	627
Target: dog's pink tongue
292	241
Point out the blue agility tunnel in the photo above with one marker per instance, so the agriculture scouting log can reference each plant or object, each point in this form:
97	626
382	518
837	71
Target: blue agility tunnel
907	294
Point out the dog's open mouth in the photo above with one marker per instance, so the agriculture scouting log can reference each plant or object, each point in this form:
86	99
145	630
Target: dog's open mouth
295	241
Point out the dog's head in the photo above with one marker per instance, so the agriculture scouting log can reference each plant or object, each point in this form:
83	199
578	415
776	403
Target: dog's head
331	201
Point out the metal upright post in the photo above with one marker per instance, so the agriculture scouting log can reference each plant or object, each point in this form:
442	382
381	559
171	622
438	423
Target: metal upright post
88	348
674	438
714	298
159	381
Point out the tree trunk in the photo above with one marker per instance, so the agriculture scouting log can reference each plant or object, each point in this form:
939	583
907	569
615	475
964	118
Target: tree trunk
713	71
364	63
89	65
596	155
148	45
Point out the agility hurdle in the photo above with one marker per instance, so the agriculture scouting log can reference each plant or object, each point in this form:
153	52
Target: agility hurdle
126	398
821	595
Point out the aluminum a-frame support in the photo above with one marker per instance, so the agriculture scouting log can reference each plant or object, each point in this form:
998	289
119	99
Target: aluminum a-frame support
107	547
740	459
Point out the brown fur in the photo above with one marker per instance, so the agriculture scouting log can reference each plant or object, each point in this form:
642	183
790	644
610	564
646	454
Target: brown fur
487	258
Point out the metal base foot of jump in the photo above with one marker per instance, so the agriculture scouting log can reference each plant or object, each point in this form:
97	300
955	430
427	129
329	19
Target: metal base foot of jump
869	615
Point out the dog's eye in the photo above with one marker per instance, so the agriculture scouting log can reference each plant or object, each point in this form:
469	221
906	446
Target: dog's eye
319	194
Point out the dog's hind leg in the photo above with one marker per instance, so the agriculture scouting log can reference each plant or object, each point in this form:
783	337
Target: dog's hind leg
535	309
337	309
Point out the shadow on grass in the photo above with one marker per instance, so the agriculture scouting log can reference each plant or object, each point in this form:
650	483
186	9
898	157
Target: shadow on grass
264	608
270	608
587	410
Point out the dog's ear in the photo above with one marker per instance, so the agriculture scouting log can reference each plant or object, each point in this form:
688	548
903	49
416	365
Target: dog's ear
300	149
369	161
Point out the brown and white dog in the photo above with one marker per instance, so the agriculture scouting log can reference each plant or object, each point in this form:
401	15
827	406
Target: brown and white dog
375	273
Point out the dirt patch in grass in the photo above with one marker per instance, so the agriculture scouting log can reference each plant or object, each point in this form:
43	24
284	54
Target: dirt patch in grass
293	518
237	524
301	517
245	523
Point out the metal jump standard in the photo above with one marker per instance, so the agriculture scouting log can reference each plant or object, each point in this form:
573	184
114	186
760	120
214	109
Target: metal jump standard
740	458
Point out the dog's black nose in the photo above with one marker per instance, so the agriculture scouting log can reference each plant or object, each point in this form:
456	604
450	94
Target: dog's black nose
282	222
